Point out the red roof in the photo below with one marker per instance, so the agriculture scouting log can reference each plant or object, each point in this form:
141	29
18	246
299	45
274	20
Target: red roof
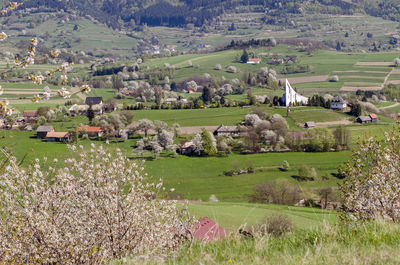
255	59
207	229
30	113
88	128
56	134
373	116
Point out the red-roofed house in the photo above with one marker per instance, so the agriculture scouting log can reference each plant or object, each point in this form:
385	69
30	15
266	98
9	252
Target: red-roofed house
254	61
91	131
30	115
373	117
58	137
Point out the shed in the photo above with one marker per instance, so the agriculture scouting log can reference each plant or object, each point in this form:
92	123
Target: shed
58	137
30	115
374	117
207	229
223	130
42	131
91	131
364	119
93	101
310	125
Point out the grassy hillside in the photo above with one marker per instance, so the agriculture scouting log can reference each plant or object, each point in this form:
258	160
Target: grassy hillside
373	243
233	215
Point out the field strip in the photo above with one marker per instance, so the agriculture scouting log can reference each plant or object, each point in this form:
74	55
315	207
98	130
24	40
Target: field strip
391	106
355	88
306	79
358	71
396	71
360	77
26	92
374	63
367	88
394	82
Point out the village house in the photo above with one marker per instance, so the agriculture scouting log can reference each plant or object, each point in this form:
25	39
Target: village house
373	117
42	131
338	103
364	119
58	137
186	148
30	116
91	131
254	61
223	130
83	109
91	101
310	125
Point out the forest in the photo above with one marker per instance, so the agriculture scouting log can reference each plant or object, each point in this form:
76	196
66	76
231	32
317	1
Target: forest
175	13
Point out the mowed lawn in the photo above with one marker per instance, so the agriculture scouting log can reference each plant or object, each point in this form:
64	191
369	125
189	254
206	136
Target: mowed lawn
231	216
199	178
195	117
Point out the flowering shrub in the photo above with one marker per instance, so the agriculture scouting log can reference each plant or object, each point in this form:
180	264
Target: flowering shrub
98	207
38	79
371	187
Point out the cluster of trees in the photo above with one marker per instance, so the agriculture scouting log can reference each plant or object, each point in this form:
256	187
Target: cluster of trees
243	44
320	140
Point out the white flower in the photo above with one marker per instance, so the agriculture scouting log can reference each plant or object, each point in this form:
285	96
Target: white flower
1	91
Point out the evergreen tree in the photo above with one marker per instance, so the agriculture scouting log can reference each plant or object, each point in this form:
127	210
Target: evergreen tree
90	114
245	57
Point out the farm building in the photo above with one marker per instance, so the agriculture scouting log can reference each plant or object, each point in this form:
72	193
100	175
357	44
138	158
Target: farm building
310	125
83	109
254	61
373	117
170	100
291	97
186	148
30	115
42	131
223	130
91	101
364	119
58	137
338	103
91	131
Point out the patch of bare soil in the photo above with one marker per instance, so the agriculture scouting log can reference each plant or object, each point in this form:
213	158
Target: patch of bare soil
306	79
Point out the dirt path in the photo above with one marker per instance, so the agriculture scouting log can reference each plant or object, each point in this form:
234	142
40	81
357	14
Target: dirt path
368	88
391	106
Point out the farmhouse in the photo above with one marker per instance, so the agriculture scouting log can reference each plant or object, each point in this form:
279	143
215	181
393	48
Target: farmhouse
90	101
338	103
186	148
91	131
254	61
30	115
223	130
83	109
310	125
42	131
291	97
364	119
58	137
373	117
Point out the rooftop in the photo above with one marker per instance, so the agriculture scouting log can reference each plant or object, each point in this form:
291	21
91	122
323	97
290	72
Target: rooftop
56	134
45	129
88	128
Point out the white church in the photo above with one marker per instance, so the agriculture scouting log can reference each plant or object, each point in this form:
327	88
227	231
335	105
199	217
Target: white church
291	97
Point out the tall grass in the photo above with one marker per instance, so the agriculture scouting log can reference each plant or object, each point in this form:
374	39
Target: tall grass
373	243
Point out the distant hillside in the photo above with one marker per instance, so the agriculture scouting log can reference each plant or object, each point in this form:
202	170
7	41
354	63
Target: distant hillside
178	13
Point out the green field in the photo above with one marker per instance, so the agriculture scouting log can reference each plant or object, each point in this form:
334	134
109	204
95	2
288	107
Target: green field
233	215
